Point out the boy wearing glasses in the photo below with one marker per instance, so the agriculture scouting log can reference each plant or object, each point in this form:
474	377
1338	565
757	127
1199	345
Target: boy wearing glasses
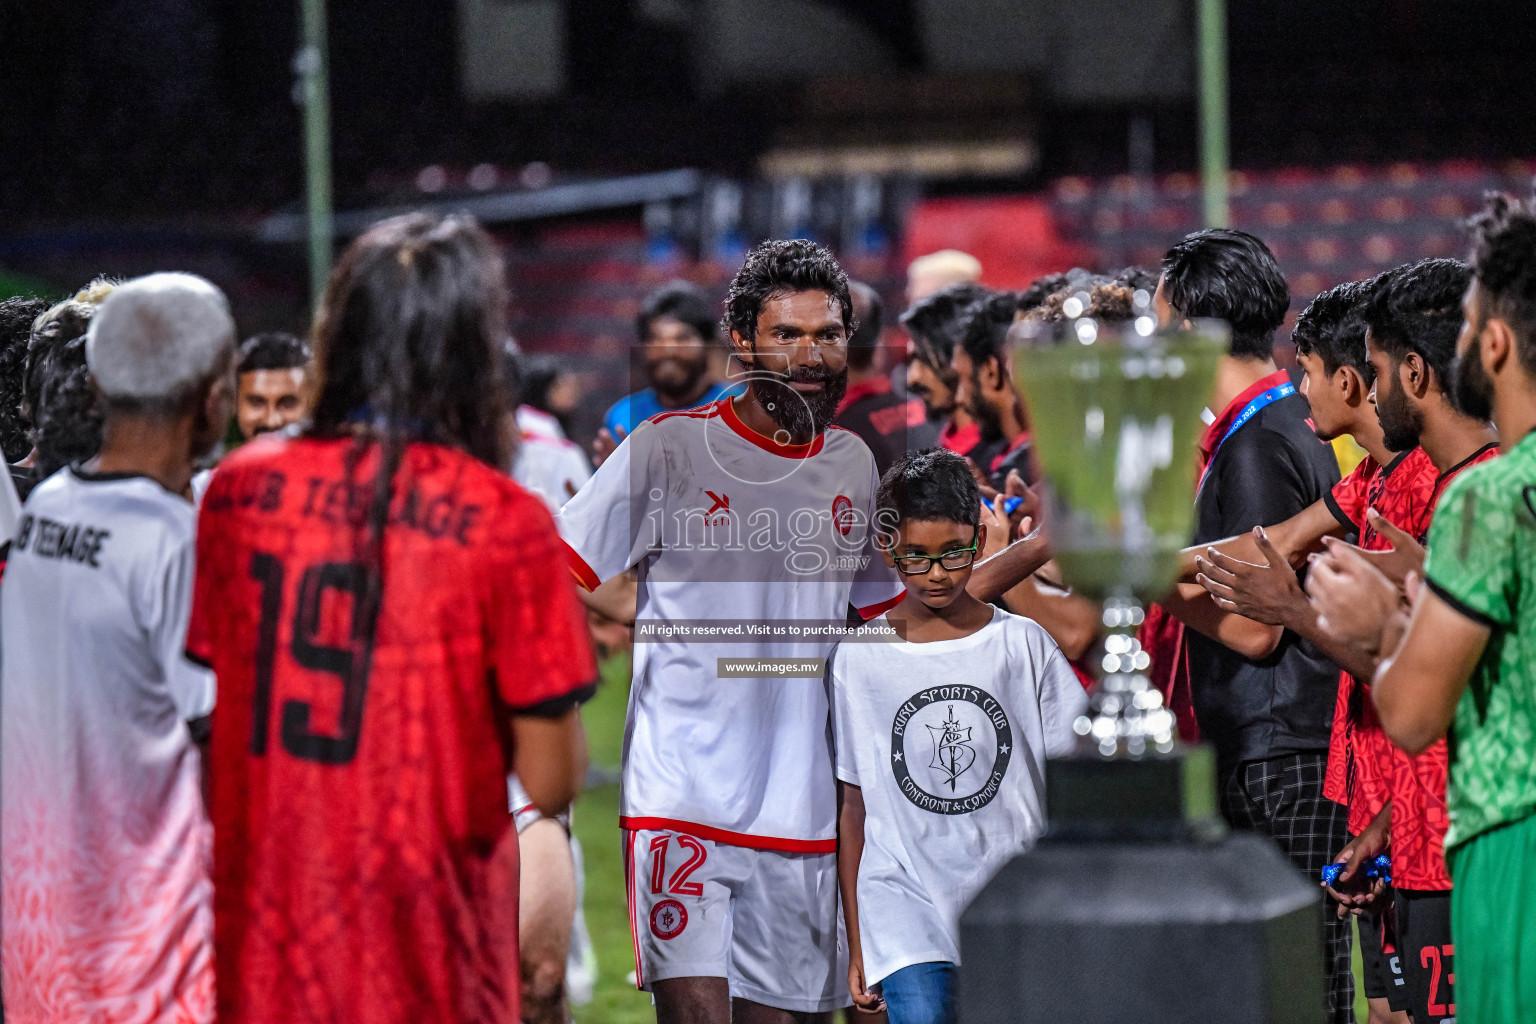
941	741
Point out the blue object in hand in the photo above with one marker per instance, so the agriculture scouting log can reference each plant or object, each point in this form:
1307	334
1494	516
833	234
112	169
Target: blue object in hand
1379	866
1011	505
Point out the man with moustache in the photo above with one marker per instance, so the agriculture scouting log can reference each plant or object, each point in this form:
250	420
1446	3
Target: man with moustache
985	388
933	323
750	523
748	511
675	329
274	385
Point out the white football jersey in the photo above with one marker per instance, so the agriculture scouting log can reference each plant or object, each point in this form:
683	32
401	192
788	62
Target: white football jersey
538	423
105	846
746	549
551	468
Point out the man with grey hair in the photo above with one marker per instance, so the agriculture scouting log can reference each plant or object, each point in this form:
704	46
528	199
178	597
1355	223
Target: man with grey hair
105	844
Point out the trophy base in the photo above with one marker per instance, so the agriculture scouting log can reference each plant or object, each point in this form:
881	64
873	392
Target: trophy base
1157	796
1146	932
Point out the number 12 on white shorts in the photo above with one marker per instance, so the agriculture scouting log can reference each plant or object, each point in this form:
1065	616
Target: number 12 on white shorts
766	920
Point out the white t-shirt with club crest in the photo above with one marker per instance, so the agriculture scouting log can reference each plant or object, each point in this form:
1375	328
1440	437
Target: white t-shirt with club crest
947	742
738	540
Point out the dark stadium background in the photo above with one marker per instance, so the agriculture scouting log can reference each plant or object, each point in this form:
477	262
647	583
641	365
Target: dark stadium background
613	144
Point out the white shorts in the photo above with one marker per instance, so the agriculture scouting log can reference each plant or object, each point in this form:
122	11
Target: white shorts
766	921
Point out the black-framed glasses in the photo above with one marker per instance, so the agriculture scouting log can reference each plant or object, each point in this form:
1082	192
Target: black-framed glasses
922	565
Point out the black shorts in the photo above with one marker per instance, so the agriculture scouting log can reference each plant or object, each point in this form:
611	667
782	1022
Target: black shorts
1424	941
1381	971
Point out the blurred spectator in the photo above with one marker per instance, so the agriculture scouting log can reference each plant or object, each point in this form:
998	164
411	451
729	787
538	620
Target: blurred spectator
68	420
1136	279
933	325
57	398
939	270
890	424
985	388
549	388
275	383
551	467
675	331
16	318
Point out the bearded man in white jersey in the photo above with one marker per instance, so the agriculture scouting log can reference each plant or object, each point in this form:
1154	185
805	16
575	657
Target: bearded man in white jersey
104	839
750	526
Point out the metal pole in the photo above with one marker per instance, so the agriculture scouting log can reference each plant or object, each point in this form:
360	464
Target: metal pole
1213	111
312	89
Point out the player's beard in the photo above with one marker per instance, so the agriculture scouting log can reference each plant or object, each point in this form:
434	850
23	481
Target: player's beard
800	413
1401	423
986	417
1471	387
676	379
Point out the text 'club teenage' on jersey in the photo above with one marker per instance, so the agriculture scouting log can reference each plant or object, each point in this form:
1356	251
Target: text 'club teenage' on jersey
732	534
108	905
365	862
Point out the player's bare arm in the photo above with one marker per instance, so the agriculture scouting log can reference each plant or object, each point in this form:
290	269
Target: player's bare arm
550	759
1072	621
614	598
1007	569
1191	605
1257	635
850	851
1269	593
1295	538
1418	685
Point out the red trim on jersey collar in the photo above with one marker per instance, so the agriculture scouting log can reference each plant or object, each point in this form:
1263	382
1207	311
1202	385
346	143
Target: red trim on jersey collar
880	609
789	451
877	385
721	835
580	569
1218	428
959	440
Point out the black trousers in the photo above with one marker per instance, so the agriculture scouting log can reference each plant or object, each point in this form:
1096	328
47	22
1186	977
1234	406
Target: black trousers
1283	798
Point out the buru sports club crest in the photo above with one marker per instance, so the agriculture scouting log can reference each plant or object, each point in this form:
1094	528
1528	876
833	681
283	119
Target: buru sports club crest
950	748
953	754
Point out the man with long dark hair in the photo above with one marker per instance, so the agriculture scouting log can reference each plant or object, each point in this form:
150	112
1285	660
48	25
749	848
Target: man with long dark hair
390	634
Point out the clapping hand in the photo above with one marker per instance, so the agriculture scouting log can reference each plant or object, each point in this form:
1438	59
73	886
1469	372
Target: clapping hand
1405	556
1355	601
1264	593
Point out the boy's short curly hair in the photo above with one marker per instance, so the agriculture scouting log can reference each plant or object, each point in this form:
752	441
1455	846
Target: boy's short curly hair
933	484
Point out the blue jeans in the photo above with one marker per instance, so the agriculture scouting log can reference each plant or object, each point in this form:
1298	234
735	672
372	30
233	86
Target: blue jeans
921	994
